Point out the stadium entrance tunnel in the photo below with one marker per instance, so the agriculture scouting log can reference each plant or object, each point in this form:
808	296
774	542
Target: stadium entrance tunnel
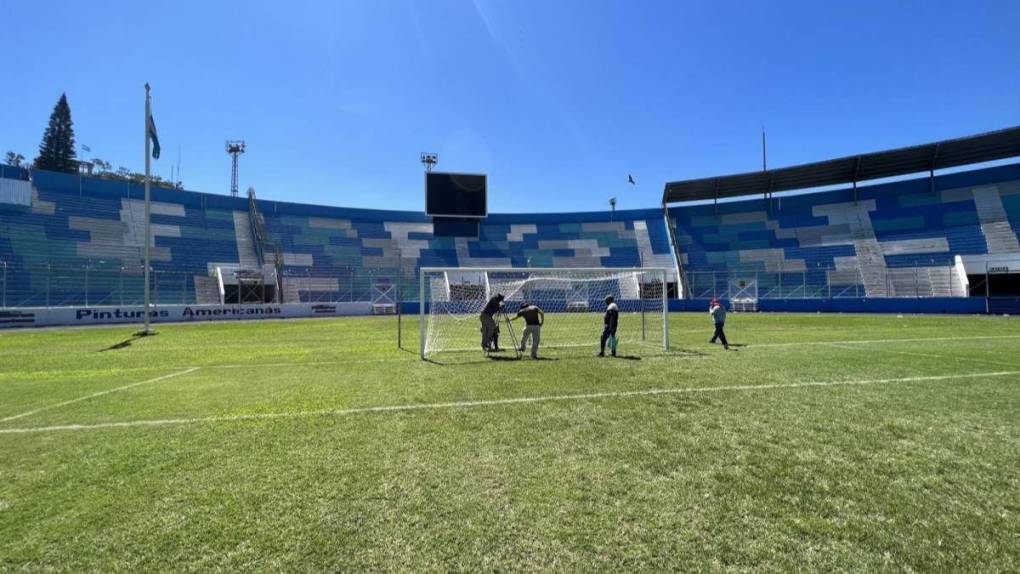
1000	290
248	294
1003	284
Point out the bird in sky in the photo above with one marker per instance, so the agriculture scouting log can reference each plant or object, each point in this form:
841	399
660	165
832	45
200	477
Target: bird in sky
630	179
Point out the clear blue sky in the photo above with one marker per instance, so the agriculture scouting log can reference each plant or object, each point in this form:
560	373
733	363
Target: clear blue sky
556	100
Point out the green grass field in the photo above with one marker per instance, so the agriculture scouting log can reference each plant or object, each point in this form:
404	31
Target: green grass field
823	443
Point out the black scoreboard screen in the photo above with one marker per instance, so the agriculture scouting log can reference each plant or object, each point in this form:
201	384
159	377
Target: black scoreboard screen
456	195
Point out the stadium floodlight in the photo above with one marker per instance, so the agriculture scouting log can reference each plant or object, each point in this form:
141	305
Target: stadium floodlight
235	148
573	299
429	160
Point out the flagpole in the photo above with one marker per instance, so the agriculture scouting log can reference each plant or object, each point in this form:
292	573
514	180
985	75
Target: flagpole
148	111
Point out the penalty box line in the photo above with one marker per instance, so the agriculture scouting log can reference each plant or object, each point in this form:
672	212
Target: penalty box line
493	402
98	394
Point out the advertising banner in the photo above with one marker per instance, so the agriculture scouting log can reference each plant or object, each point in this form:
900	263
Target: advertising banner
106	315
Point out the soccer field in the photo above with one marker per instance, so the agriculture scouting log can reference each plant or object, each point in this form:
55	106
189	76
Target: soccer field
821	442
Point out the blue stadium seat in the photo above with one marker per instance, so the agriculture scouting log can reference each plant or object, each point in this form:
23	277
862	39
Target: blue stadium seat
900	225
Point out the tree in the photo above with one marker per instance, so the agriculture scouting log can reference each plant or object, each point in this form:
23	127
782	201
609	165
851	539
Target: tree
56	152
14	159
102	165
104	170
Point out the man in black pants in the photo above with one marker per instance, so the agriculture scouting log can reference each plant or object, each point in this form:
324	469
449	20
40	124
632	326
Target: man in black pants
490	329
609	323
718	313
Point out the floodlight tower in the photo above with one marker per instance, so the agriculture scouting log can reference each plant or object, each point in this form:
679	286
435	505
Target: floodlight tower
612	208
429	160
235	149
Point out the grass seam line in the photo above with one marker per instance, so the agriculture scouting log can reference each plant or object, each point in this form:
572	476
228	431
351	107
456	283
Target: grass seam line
672	354
932	356
667	355
494	402
873	341
99	394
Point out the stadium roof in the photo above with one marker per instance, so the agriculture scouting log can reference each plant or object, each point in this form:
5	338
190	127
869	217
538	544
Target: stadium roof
914	159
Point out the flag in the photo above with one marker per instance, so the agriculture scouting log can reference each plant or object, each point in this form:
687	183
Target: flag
154	137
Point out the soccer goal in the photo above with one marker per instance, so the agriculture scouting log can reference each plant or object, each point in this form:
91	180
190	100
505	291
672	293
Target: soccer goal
573	300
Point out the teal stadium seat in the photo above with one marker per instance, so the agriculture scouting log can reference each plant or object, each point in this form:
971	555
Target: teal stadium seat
808	242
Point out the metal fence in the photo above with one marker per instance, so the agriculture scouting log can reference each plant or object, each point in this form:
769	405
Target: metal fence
94	283
348	284
826	283
99	282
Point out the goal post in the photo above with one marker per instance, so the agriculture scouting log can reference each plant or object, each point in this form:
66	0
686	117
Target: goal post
452	298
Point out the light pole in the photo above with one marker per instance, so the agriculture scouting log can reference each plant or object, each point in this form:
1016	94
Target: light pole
235	148
612	208
429	160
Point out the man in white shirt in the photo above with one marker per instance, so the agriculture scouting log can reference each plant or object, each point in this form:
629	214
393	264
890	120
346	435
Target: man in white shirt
718	314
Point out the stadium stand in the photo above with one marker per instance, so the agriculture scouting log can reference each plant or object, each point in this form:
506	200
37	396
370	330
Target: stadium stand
69	241
80	232
364	244
894	239
79	241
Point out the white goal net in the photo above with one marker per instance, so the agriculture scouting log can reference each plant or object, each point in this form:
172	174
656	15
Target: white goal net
572	299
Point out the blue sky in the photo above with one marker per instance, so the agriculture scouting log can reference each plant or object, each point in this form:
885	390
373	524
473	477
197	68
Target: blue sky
556	100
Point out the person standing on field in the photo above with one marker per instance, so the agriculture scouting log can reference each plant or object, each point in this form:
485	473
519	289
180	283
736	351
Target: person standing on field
609	323
488	319
718	313
534	318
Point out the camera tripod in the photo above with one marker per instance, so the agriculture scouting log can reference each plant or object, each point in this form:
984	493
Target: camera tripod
505	318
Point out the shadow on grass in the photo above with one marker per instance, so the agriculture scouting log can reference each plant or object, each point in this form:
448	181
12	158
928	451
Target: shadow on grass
126	342
462	360
687	353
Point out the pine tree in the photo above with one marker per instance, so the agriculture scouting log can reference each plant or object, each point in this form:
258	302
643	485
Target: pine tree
56	152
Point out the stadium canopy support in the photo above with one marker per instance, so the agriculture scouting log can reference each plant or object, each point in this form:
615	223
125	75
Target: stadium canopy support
990	146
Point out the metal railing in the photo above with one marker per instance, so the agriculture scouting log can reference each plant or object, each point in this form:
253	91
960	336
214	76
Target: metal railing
51	284
100	282
825	283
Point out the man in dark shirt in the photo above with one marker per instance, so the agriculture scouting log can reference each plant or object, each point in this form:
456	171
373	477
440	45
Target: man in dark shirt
488	319
534	317
609	323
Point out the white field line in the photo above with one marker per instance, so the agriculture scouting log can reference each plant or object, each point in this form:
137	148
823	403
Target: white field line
494	402
929	356
398	359
875	341
98	394
665	355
